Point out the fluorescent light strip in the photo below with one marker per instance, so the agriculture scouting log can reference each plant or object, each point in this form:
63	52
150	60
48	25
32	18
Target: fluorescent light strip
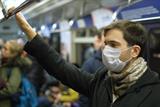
145	19
56	5
35	6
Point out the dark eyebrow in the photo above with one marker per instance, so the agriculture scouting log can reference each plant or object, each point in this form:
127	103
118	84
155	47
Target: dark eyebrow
112	42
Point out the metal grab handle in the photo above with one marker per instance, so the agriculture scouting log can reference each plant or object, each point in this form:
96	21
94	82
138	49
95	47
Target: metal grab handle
18	9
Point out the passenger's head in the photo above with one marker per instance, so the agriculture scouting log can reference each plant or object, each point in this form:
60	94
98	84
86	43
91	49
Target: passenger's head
55	91
11	49
126	36
98	41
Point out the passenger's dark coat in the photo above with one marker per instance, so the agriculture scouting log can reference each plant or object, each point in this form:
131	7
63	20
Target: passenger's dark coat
91	66
144	93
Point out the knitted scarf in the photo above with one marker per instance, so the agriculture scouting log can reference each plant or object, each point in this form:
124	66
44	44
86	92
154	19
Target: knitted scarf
123	80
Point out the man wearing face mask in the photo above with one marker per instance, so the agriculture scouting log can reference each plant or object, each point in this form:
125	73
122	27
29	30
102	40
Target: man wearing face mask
127	81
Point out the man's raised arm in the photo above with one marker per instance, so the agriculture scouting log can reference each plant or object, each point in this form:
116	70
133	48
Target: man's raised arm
25	26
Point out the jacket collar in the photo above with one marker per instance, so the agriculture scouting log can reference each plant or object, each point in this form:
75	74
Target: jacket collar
98	55
148	78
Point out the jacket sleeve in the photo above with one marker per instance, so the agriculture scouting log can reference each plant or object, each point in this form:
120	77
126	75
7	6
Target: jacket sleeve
67	73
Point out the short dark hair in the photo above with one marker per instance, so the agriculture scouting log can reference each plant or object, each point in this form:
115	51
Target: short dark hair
134	33
53	83
98	34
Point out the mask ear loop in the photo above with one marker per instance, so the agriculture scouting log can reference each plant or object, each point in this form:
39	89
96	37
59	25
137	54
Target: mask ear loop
126	49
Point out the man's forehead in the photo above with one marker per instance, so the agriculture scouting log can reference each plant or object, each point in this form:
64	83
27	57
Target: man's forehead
113	39
114	35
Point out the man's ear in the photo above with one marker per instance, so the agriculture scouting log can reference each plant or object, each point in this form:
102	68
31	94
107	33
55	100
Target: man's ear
136	49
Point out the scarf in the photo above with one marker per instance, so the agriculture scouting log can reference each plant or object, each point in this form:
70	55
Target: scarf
123	80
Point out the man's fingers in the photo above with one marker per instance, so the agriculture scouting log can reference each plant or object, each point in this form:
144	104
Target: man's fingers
11	10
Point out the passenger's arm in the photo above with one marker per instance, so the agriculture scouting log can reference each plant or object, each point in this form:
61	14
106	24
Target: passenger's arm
67	73
25	26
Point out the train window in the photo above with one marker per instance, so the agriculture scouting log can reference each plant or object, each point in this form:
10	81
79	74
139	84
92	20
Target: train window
154	43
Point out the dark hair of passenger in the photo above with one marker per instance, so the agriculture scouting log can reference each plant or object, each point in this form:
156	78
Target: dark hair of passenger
54	83
98	34
134	33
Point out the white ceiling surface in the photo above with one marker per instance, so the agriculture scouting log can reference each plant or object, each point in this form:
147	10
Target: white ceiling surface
54	10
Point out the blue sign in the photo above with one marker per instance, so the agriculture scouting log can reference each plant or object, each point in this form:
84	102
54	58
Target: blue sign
141	10
87	21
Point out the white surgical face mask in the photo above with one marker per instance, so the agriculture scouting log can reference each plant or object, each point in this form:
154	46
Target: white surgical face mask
110	58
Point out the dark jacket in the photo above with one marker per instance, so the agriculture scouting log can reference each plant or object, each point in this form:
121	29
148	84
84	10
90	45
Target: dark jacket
93	63
144	93
91	66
